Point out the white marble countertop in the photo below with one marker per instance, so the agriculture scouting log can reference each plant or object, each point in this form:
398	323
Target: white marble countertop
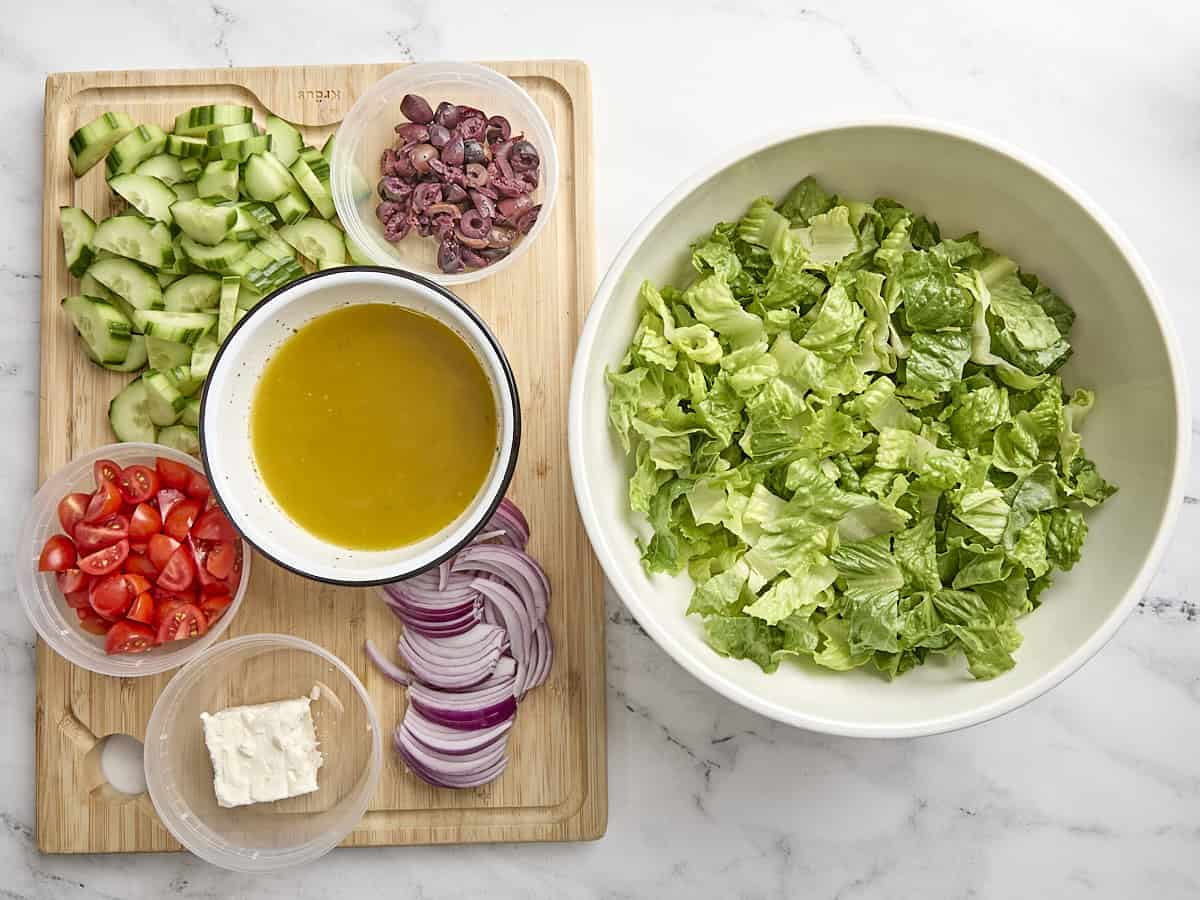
1093	790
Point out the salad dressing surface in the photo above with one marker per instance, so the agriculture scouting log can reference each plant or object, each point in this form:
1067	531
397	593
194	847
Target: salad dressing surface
373	426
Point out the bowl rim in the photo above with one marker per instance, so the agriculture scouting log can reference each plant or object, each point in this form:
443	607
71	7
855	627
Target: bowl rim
340	162
508	385
577	425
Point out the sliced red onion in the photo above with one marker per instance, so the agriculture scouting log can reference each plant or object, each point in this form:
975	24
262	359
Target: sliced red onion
452	741
385	665
512	567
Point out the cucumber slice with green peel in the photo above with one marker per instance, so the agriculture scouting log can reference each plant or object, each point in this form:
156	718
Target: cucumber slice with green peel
267	179
318	163
164	403
216	258
240	151
247	298
183	438
129	415
203	220
200	120
134	284
181	265
145	193
239	267
90	287
135	358
316	240
239	314
229	299
193	293
327	147
183	380
78	229
166	278
229	134
135	148
203	353
314	189
105	330
189	147
93	141
285	140
186	190
275	247
191	413
357	255
246	227
292	207
136	238
192	170
166	168
219	181
182	327
163	355
274	276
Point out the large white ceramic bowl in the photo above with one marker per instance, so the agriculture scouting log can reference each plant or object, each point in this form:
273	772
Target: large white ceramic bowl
229	395
1125	350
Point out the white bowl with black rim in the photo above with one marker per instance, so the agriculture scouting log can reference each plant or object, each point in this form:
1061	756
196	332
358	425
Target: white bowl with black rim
229	393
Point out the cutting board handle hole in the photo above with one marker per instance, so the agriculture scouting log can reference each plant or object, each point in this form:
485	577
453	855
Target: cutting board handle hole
115	769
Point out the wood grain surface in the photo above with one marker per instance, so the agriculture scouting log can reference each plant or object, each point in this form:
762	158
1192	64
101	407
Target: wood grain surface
555	788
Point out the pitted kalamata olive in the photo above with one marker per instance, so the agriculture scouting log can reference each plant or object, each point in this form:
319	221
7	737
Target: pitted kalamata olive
469	112
439	135
394	163
387	162
511	207
472	128
386	210
485	204
425	195
397	228
495	254
444	209
423	225
526	220
475	224
412	133
488	191
509	187
477	175
447	114
473	152
443	225
452	153
420	156
416	109
501	154
393	188
449	256
467	241
501	236
473	259
524	156
530	179
454	194
498	129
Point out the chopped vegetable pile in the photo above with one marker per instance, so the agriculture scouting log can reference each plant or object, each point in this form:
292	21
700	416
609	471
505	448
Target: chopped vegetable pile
849	430
217	212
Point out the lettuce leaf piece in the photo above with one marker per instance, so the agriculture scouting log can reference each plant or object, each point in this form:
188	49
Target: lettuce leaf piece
806	200
937	359
929	294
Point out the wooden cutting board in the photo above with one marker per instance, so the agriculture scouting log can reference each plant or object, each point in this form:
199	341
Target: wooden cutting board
555	788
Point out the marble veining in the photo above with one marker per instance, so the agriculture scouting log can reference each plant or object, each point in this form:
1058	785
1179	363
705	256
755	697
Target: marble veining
1091	791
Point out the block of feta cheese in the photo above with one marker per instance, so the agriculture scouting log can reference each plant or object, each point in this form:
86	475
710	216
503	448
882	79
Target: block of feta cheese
262	753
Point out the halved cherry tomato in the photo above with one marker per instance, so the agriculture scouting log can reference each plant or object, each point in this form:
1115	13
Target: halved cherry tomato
71	509
58	554
198	487
179	572
90	538
214	525
167	498
129	637
105	470
137	583
142	609
160	550
138	564
104	503
144	522
110	596
138	484
92	623
71	580
178	522
214	605
165	604
163	596
78	599
107	560
173	474
220	561
183	622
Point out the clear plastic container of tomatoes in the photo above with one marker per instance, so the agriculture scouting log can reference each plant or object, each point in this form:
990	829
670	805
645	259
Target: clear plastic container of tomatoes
45	604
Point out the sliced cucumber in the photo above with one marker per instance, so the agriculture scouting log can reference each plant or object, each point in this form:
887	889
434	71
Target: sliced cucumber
275	247
166	168
93	141
186	190
105	329
267	179
189	147
164	403
191	413
166	278
285	140
183	380
192	169
78	229
135	148
193	293
135	358
357	255
220	180
228	134
274	276
136	238
316	240
182	327
202	220
217	258
203	353
327	148
183	438
240	151
292	207
180	265
318	163
145	193
199	120
129	415
132	283
163	355
229	299
317	192
247	298
90	287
